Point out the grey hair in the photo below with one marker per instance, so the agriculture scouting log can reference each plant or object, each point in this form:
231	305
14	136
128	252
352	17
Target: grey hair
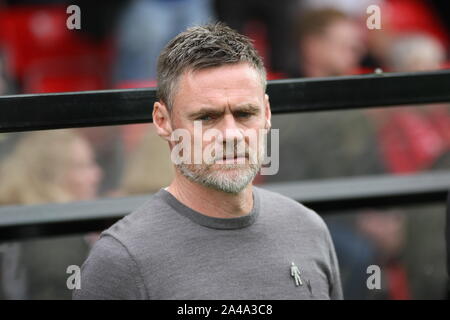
201	47
407	50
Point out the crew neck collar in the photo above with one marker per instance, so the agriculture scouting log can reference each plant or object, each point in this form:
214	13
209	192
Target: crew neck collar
212	222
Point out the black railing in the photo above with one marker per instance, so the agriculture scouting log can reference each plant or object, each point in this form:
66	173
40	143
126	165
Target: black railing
20	222
114	107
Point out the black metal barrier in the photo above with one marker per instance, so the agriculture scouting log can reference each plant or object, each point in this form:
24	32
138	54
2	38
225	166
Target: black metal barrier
21	222
114	107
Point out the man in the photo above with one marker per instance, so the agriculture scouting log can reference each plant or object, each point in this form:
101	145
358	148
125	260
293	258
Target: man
330	43
211	234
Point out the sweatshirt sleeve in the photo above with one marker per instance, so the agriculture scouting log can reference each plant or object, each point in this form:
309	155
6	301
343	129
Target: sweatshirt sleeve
110	273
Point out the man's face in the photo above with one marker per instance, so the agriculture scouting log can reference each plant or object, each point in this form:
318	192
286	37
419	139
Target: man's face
231	100
339	49
344	41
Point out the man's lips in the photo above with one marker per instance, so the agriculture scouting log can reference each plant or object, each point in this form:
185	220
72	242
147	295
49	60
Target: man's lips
234	156
232	159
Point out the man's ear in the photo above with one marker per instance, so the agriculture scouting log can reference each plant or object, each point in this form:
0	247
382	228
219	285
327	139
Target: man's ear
161	120
268	113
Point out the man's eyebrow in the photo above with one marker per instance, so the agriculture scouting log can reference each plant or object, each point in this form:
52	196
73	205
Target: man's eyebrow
247	108
214	112
203	112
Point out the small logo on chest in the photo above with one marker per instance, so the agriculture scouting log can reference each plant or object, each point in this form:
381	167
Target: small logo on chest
297	277
295	273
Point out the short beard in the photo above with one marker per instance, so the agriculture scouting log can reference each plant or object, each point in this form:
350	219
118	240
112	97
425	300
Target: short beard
243	175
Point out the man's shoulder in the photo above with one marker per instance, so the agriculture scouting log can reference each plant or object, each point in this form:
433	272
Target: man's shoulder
282	207
120	251
143	222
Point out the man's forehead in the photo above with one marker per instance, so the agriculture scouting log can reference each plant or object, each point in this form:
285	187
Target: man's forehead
232	76
220	86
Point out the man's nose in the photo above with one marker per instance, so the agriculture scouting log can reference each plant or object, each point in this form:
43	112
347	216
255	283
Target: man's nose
231	129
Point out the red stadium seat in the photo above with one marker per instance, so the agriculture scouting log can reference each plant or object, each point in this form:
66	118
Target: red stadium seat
406	16
33	37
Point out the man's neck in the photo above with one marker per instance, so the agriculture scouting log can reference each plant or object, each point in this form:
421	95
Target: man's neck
211	202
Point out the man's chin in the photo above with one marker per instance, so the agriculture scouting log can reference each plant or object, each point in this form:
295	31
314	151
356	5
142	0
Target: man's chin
222	177
229	166
240	160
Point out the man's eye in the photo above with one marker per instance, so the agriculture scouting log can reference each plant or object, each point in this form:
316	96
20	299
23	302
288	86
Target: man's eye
243	114
205	118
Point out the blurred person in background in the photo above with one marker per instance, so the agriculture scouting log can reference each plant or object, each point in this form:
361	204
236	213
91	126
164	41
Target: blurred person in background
148	168
406	17
144	28
386	230
45	167
415	139
415	52
269	23
109	148
409	248
330	43
415	37
7	140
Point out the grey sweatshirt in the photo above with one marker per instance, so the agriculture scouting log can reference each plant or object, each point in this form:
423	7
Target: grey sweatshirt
166	250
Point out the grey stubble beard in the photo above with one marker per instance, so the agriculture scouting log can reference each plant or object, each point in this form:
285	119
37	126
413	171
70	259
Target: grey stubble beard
222	180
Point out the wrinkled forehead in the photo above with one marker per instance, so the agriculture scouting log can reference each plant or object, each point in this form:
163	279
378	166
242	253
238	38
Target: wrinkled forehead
232	84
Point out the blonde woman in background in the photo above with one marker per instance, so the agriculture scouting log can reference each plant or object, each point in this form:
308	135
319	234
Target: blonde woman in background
45	167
